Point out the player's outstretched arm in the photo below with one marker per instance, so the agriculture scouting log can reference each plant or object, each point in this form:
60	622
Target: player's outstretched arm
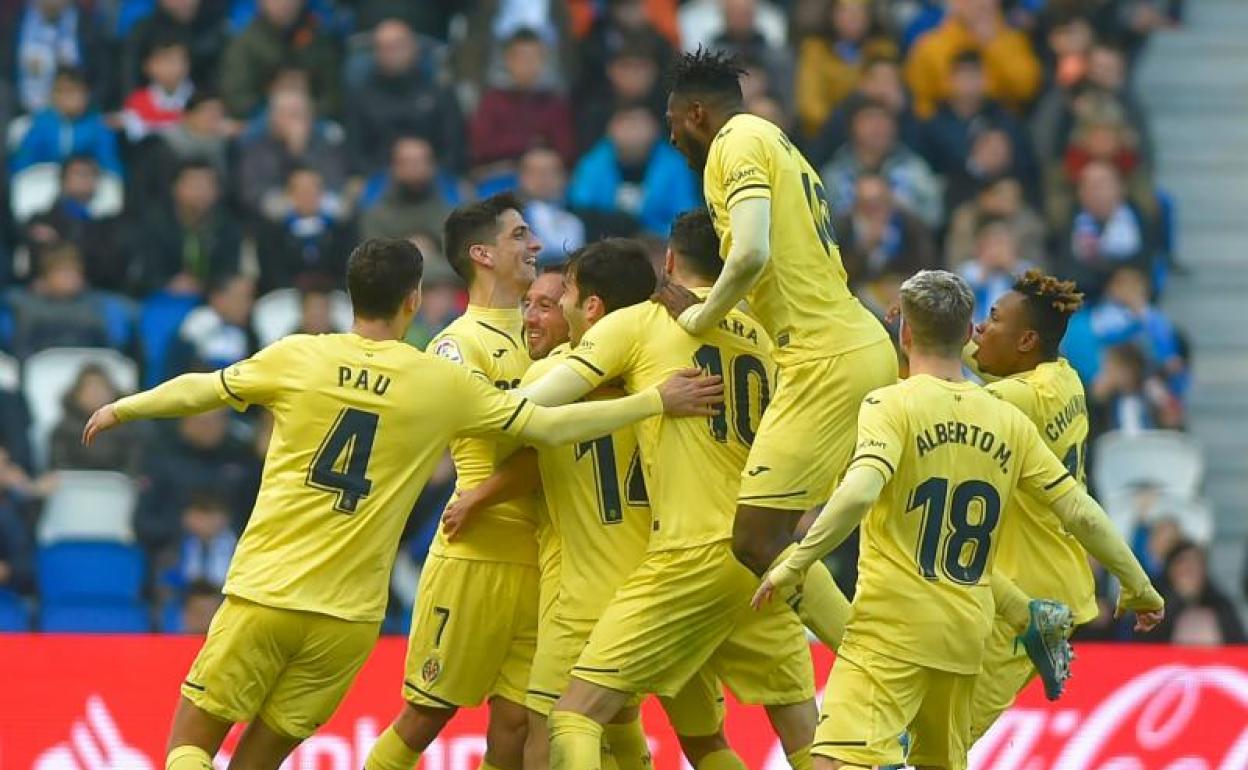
848	506
561	385
517	476
750	223
188	394
1084	518
688	393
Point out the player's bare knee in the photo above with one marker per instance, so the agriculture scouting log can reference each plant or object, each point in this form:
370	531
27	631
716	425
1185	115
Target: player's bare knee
419	725
600	704
751	551
697	747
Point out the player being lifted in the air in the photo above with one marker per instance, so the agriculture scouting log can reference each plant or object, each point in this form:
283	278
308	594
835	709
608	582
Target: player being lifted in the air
360	421
938	463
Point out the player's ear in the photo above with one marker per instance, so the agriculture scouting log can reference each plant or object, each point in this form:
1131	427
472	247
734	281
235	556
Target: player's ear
594	308
904	335
480	253
412	303
1029	341
669	261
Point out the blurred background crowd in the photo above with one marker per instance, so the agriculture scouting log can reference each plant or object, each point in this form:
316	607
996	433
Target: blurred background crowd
184	179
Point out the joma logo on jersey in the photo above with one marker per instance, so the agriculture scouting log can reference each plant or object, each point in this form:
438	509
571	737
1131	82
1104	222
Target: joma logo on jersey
362	380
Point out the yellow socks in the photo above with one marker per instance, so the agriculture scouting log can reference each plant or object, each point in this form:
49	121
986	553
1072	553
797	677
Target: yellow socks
188	758
390	752
575	742
724	759
1012	603
801	760
627	744
821	606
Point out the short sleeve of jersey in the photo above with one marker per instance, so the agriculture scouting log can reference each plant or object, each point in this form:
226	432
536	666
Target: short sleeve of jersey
1041	473
744	166
606	350
486	409
458	351
258	379
880	435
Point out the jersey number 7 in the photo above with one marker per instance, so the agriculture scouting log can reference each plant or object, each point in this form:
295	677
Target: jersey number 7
341	462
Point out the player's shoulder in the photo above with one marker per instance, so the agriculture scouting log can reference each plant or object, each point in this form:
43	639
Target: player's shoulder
892	396
459	342
1019	390
542	366
743	331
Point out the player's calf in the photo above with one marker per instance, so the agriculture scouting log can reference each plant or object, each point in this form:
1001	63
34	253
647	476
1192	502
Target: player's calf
505	736
400	746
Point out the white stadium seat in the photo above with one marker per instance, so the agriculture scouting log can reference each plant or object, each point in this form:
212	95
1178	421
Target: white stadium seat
32	190
89	505
50	373
1169	460
16	131
276	314
10	373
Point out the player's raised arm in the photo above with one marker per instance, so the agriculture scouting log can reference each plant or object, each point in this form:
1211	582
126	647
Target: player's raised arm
561	385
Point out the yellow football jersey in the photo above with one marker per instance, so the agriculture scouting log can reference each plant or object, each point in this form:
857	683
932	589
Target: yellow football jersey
952	456
692	466
359	426
802	297
596	499
490	343
1035	551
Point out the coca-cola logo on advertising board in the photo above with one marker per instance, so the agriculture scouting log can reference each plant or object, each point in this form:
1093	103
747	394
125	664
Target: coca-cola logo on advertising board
104	703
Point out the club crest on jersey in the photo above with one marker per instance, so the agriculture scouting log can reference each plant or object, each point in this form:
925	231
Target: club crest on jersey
431	670
449	350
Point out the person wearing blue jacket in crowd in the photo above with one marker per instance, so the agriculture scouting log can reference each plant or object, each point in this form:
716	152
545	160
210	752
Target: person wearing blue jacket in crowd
631	171
68	127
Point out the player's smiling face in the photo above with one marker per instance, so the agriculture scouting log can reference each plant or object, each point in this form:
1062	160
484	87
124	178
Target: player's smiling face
683	118
1000	335
515	250
544	324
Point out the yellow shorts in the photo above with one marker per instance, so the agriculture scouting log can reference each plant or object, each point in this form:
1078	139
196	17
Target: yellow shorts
287	667
1005	672
871	699
697	710
687	610
474	630
806	437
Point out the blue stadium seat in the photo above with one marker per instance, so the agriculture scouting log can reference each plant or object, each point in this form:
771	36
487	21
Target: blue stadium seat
171	616
90	618
13	613
89	572
159	318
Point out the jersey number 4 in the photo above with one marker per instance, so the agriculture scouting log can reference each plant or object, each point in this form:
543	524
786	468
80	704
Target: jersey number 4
341	462
969	543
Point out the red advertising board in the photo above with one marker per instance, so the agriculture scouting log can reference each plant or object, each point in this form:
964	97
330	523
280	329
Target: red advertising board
104	703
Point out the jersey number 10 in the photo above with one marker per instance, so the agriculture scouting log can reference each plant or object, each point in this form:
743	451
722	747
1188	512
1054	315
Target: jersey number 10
743	368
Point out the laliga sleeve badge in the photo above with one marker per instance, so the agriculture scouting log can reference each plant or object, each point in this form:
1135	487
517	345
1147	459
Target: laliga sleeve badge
449	350
431	669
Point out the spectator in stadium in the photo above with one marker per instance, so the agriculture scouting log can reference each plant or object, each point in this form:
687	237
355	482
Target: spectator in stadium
58	309
203	31
92	389
219	333
69	218
878	237
1107	71
293	138
1002	198
283	33
543	188
1104	233
412	199
309	241
742	37
160	104
46	37
68	126
1126	314
873	147
632	77
1126	396
701	21
880	82
830	59
316	308
477	60
522	114
202	134
183	245
207	543
631	171
200	602
194	453
1011	68
442	295
995	266
624	24
1197	613
972	138
401	96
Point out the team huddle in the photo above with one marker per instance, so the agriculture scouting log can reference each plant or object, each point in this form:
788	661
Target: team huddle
633	455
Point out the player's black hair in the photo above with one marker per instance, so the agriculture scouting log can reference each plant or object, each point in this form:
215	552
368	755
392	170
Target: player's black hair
381	272
708	74
696	244
616	270
472	224
1050	302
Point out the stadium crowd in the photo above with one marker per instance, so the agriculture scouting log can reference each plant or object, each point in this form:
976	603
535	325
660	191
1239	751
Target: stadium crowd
184	180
